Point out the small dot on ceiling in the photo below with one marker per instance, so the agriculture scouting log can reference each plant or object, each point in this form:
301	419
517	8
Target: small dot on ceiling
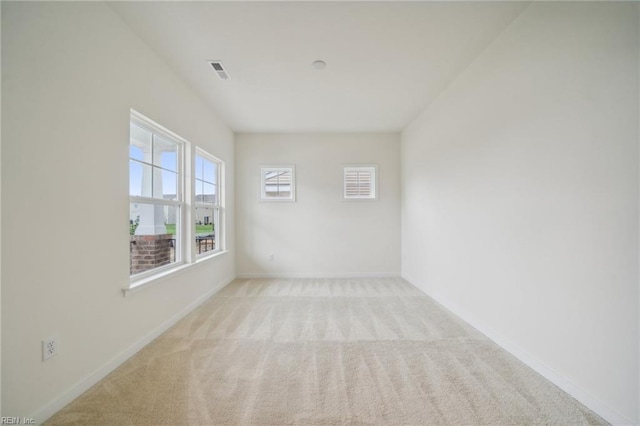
319	65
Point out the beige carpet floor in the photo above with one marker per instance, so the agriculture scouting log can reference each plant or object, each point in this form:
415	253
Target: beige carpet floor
323	352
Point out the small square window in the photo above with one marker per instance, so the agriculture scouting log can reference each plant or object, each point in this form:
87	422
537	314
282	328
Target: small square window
277	183
360	182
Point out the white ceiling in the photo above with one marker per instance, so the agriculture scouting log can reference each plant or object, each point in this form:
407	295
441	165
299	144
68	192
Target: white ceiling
386	61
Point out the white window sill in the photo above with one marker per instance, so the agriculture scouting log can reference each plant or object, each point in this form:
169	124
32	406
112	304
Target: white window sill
138	285
205	257
357	199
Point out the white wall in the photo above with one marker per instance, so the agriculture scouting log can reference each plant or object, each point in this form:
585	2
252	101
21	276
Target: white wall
319	234
0	233
70	73
520	198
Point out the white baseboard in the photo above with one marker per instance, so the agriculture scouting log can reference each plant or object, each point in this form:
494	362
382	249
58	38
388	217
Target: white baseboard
317	275
584	397
82	386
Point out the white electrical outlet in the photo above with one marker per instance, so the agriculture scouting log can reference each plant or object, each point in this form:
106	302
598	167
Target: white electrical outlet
49	348
271	257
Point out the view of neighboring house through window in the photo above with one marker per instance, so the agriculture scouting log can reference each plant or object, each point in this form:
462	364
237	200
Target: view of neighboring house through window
156	197
207	203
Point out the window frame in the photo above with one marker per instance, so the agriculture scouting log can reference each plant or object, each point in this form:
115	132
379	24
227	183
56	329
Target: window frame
181	253
218	207
373	169
264	169
185	202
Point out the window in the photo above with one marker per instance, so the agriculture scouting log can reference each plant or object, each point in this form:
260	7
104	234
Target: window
207	204
156	197
360	182
163	203
277	183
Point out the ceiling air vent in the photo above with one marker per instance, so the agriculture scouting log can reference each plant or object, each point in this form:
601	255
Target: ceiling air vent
219	69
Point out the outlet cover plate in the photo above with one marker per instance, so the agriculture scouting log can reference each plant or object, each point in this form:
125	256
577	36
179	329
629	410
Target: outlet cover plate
49	348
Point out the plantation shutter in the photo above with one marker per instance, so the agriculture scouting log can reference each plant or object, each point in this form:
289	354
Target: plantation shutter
360	182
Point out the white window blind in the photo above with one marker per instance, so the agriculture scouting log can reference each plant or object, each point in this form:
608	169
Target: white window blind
360	182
